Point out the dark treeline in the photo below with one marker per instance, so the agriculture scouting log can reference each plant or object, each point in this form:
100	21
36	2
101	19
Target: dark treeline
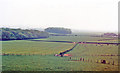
58	30
19	34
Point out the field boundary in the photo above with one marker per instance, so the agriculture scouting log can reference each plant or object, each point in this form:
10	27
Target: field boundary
77	42
100	61
62	53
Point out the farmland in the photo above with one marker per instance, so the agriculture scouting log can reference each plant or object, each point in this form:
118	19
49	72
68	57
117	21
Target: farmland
81	38
27	55
32	47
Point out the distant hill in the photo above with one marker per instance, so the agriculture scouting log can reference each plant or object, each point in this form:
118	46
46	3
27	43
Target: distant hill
40	29
109	35
20	34
58	30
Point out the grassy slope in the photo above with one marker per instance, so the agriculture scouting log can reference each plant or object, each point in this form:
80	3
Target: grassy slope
45	59
50	63
79	38
33	47
93	52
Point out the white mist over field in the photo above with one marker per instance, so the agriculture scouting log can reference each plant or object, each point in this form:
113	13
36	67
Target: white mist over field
83	15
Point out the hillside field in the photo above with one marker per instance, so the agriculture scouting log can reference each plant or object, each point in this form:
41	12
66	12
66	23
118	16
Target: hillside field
27	55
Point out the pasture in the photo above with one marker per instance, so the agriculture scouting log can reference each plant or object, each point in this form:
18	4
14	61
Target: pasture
26	55
82	39
25	47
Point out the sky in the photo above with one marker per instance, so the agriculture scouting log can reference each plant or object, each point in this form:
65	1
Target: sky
88	15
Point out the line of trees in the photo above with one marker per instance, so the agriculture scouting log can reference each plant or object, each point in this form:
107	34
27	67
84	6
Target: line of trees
58	30
19	34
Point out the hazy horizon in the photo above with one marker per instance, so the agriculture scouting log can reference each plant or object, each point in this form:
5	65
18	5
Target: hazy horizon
73	30
83	15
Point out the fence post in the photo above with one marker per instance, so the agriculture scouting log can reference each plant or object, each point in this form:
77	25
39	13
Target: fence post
80	59
113	63
83	59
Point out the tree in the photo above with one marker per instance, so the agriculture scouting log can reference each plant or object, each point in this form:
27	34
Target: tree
19	34
58	30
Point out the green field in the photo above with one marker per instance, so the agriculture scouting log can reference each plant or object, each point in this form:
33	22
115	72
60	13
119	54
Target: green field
80	38
26	55
33	47
95	53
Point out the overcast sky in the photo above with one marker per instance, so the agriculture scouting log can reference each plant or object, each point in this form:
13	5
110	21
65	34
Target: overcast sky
93	15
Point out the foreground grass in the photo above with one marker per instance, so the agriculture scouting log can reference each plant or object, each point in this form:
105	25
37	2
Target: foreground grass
50	63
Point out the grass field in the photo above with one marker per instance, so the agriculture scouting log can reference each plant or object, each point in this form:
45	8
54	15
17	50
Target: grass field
32	47
80	38
27	55
50	63
95	53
